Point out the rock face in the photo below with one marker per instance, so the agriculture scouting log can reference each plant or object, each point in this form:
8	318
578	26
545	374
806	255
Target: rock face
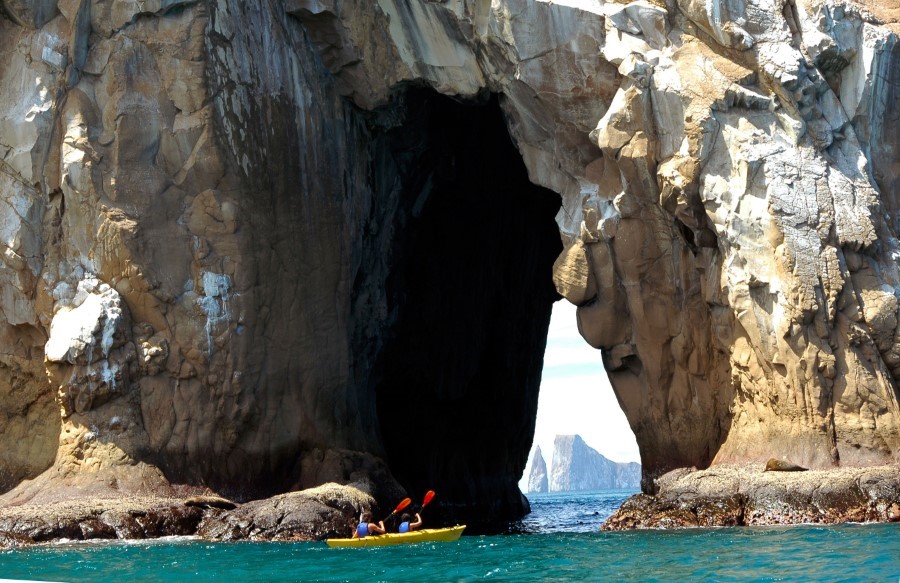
749	496
729	241
327	511
133	518
219	273
317	513
249	246
577	466
537	479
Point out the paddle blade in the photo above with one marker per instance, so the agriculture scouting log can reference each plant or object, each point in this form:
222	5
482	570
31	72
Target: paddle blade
428	496
403	504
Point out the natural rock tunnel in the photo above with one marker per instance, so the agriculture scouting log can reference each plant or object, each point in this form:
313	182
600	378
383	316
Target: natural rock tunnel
470	292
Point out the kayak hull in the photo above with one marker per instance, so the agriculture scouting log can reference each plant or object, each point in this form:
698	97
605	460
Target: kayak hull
395	538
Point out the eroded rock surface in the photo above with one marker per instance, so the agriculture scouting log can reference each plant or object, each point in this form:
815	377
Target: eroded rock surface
728	233
330	510
123	518
748	496
236	244
206	262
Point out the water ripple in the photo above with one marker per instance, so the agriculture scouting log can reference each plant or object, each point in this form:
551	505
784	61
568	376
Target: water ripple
791	554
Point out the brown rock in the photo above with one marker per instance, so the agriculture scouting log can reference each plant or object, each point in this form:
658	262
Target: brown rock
733	496
93	528
12	540
104	518
893	514
720	511
315	514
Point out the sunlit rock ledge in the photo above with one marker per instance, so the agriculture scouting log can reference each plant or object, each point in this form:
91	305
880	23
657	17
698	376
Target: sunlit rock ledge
749	496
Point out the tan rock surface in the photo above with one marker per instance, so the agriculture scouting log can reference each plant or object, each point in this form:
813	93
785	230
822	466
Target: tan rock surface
724	242
750	496
130	268
203	209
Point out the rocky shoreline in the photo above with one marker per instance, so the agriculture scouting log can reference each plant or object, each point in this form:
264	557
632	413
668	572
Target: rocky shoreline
750	496
315	514
719	496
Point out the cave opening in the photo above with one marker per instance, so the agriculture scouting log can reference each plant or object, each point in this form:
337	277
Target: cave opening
583	440
468	302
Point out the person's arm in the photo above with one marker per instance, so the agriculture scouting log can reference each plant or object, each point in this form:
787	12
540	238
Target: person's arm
417	523
355	533
377	528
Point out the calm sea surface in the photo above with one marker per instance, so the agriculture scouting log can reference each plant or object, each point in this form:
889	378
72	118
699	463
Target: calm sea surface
560	541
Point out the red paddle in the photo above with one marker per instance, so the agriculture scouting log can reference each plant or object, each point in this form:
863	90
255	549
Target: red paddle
428	496
403	504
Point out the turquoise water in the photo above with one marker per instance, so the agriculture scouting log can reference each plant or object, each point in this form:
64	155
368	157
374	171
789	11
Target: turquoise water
805	553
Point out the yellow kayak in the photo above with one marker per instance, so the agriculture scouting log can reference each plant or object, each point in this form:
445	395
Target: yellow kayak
395	538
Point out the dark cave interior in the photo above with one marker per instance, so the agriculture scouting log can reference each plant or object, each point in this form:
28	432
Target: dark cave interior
469	295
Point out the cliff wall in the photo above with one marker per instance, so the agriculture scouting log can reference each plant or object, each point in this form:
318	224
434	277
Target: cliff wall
220	273
155	275
244	248
728	241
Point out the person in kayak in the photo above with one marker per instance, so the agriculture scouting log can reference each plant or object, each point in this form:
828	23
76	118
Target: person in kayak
406	525
368	528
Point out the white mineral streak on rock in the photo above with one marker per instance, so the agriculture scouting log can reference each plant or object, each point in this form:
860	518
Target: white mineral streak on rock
83	330
214	303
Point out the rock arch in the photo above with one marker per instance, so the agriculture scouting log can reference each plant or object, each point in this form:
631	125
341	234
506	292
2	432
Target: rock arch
208	173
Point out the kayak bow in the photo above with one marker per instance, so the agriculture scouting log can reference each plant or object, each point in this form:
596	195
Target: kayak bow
397	538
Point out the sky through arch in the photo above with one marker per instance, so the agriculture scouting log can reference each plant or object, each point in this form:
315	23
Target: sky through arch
576	397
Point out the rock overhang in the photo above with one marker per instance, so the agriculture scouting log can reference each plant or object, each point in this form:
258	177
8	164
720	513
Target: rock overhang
701	117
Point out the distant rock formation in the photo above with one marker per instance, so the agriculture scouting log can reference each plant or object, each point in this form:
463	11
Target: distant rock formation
537	479
577	466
